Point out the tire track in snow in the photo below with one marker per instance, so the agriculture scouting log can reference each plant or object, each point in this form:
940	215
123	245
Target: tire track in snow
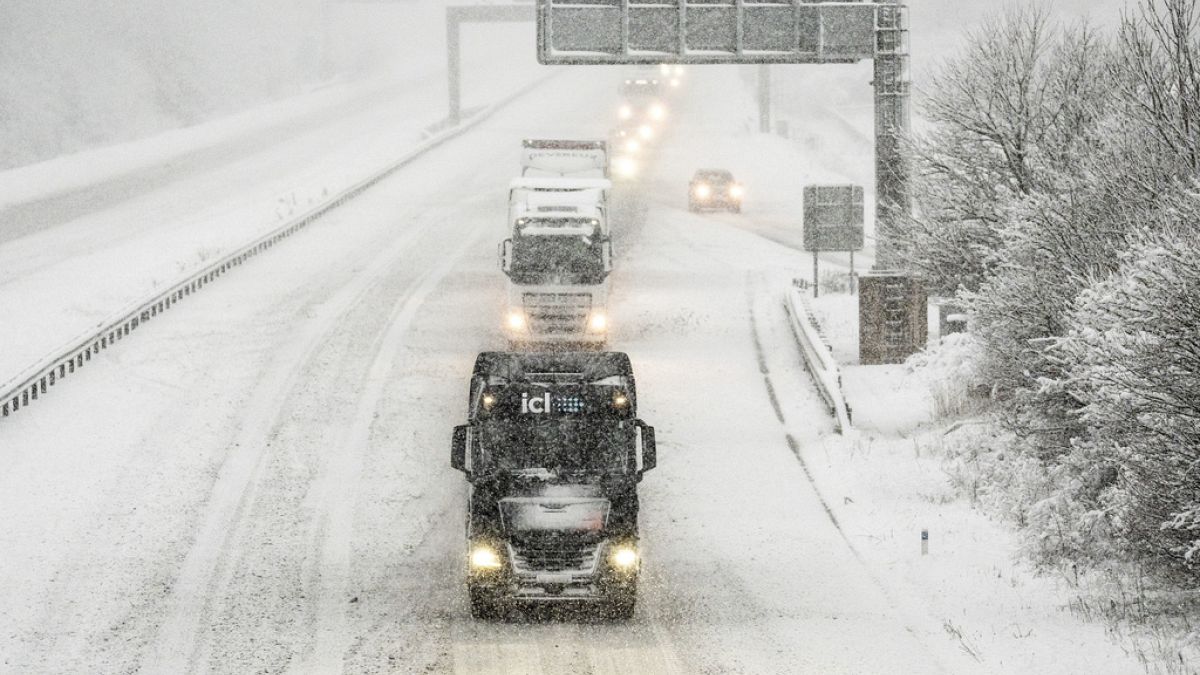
209	565
909	619
332	639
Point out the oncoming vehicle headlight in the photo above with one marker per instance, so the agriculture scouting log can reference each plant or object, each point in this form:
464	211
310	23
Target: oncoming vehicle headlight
645	132
625	111
658	111
516	320
736	191
632	145
626	167
483	557
703	191
625	557
598	322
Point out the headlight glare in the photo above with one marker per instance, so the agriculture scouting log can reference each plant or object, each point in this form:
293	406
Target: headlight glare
625	557
484	558
598	322
516	320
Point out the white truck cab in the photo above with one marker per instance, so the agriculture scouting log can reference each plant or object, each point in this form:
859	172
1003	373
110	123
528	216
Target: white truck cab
557	264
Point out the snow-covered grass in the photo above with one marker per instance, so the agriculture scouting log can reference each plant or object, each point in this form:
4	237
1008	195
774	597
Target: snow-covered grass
140	215
925	458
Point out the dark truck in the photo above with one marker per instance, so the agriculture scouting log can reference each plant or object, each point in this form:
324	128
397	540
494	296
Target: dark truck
553	453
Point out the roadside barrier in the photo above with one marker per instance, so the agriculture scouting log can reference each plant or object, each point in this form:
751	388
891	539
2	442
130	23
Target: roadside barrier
818	358
35	381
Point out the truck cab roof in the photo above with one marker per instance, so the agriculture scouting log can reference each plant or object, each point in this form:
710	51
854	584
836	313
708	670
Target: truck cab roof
554	369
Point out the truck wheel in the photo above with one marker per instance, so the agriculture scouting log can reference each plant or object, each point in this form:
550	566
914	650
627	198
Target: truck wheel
484	605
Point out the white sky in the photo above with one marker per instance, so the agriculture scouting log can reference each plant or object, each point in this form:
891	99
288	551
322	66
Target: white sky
937	27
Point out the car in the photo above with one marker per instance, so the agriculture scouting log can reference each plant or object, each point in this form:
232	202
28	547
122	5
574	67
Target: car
715	189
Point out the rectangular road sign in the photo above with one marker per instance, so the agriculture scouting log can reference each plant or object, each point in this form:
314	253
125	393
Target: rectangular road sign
704	31
833	217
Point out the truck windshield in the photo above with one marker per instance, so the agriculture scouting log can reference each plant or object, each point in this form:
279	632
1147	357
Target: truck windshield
553	259
557	445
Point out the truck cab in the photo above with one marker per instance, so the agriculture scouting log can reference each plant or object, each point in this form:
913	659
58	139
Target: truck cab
557	264
553	451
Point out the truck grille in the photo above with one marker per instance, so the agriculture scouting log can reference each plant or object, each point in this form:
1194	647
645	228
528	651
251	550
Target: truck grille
554	556
557	312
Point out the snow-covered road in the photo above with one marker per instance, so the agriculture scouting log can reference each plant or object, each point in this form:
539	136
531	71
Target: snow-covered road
259	481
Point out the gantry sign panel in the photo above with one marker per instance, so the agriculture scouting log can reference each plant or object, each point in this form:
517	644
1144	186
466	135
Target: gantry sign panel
833	217
704	31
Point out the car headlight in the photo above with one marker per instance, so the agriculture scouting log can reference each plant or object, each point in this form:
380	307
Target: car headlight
516	320
702	191
625	557
625	112
658	111
646	132
598	322
483	557
736	191
626	167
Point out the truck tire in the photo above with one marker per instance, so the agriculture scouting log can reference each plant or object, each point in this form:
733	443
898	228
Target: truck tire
484	605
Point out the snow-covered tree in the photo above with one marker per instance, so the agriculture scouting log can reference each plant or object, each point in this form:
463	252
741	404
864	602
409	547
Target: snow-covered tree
1004	119
1134	346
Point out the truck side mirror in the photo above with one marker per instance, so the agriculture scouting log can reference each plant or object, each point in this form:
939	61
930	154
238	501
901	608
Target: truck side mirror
506	256
458	448
649	451
607	255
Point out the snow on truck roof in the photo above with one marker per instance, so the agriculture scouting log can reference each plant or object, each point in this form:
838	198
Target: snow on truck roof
559	183
578	366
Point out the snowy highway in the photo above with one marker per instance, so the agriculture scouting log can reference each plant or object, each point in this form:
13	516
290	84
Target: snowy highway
259	481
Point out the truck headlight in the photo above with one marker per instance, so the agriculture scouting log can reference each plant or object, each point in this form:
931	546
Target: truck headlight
702	191
516	320
598	322
658	111
483	557
646	132
632	145
625	112
625	557
736	191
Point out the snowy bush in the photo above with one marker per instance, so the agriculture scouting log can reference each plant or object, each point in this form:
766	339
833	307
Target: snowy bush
951	371
1054	196
1134	346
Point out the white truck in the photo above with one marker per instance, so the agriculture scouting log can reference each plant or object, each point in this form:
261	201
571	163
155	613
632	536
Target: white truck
576	159
559	254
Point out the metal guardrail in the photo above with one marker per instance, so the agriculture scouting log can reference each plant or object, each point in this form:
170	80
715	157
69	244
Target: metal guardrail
35	381
818	358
